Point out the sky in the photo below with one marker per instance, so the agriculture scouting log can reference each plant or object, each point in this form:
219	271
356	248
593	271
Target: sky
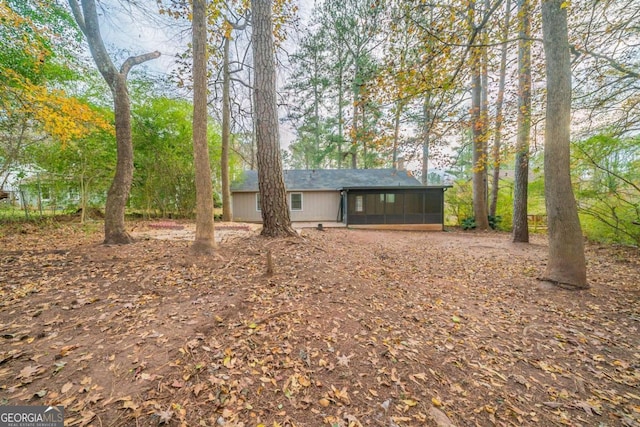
129	31
136	33
125	28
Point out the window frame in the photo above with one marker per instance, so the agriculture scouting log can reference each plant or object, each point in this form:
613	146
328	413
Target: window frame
291	201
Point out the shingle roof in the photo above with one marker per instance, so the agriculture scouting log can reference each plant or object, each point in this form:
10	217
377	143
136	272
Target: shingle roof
332	179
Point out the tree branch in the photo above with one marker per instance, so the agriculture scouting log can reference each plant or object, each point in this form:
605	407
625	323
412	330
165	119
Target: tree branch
77	14
87	19
621	178
132	61
236	24
612	62
242	82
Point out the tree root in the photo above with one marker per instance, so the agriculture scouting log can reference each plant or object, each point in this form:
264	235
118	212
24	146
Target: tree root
564	285
123	238
203	247
273	315
269	271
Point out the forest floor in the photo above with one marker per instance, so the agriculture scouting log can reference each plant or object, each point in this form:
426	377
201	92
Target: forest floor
353	328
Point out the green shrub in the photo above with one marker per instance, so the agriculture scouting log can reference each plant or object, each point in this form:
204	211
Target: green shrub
494	221
468	223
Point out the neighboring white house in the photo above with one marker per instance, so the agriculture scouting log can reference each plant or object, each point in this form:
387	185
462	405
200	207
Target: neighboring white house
29	185
11	183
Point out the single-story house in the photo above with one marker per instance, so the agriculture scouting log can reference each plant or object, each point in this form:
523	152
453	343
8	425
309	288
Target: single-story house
374	198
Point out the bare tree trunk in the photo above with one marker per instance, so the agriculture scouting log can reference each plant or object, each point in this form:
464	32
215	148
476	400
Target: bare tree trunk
478	129
204	240
253	164
364	138
426	137
497	142
520	192
226	133
355	133
276	221
479	146
484	89
340	114
86	16
316	113
396	133
118	194
484	118
83	197
566	264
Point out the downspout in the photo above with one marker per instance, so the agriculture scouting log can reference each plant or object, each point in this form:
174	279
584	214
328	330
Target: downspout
342	211
444	190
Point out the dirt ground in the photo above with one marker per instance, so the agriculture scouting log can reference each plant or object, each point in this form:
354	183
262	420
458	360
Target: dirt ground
353	328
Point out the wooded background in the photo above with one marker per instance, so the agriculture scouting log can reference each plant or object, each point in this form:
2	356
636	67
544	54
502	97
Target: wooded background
457	89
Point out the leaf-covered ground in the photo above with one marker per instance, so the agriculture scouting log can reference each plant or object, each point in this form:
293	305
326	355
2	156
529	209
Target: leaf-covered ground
354	328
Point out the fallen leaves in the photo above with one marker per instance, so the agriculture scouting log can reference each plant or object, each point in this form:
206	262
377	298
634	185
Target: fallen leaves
456	334
28	372
66	349
40	393
66	388
164	417
440	418
340	395
343	359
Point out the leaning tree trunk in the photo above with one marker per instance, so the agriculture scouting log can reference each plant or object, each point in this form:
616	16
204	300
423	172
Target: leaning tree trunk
520	191
204	241
566	264
118	194
275	211
86	16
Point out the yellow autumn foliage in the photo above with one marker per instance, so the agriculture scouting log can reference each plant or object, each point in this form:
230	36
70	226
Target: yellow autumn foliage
9	17
63	117
31	45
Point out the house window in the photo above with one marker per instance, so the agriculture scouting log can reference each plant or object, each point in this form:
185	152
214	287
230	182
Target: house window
296	201
389	198
258	202
359	203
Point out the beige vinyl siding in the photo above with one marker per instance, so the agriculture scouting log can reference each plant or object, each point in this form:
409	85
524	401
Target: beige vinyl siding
244	208
316	206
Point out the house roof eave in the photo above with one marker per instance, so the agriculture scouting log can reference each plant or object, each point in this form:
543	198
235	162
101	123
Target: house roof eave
291	190
398	187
